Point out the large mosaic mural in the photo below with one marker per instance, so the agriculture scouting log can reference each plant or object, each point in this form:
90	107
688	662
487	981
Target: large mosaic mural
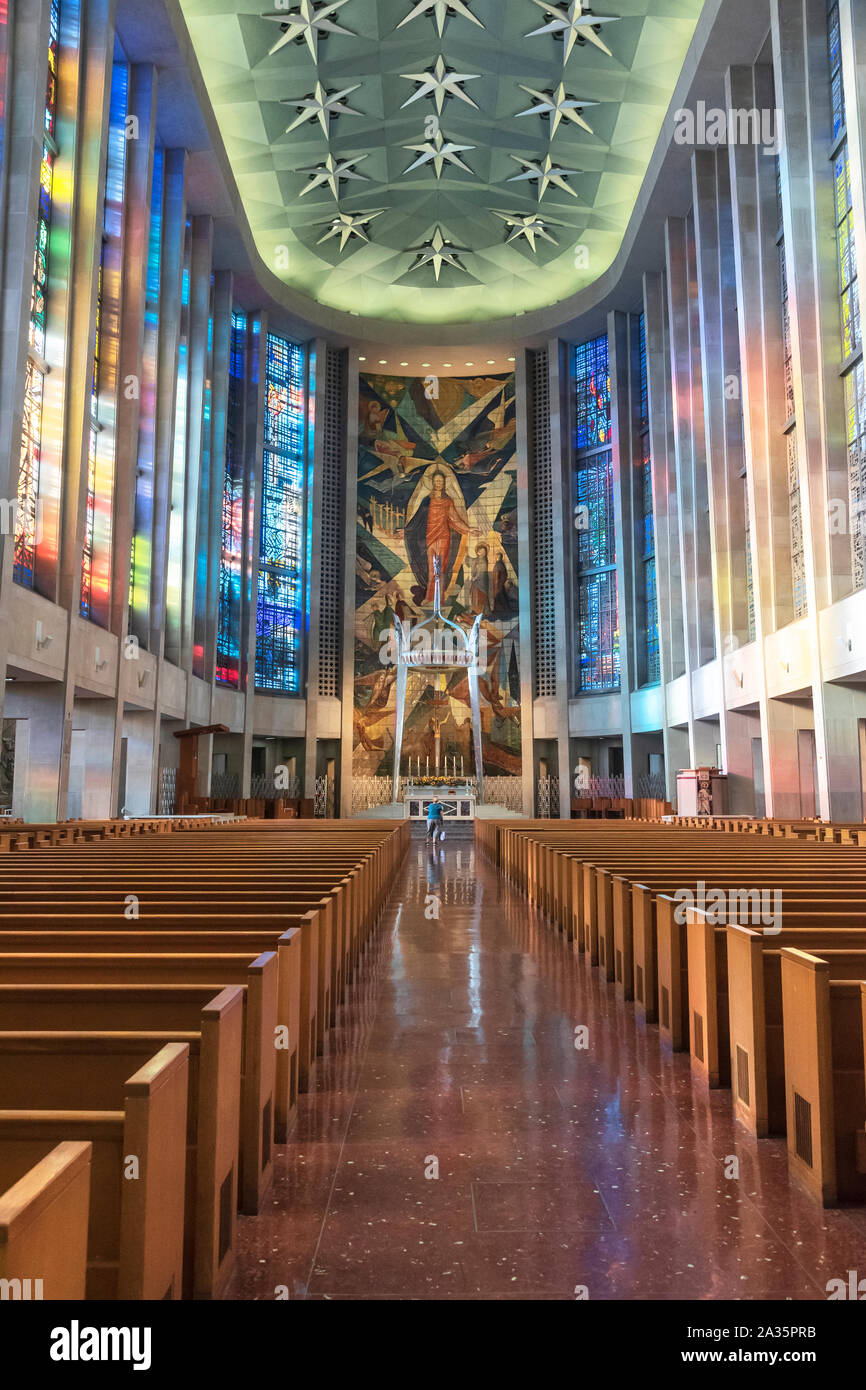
437	481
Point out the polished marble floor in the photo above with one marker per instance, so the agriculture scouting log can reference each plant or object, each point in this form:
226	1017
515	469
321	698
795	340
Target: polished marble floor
458	1145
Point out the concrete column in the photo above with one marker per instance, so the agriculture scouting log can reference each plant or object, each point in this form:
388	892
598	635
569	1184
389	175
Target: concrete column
199	313
350	551
665	509
254	439
222	325
524	585
317	389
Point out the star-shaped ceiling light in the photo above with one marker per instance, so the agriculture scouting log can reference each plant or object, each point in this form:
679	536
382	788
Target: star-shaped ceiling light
349	224
529	225
321	106
307	22
440	82
439	152
573	24
546	172
559	106
438	251
440	9
331	172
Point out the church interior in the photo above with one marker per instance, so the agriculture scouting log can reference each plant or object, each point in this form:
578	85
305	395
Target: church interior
417	772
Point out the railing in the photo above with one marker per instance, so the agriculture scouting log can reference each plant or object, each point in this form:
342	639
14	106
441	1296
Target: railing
167	791
504	791
547	798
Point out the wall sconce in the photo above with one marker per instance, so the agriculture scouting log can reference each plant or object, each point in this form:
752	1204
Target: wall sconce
739	678
142	678
41	639
100	665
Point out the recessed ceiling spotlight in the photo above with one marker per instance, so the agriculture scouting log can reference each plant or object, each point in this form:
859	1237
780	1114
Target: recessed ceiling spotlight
512	359
383	361
404	364
470	364
362	359
491	361
425	364
446	364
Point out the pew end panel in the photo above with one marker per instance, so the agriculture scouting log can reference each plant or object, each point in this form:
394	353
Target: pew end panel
44	1215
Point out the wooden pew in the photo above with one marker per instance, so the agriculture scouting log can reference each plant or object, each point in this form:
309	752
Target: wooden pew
708	980
26	957
757	1043
44	1212
72	995
73	1069
824	1078
135	1226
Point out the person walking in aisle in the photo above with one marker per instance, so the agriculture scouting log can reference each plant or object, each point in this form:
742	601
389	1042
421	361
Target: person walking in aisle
435	827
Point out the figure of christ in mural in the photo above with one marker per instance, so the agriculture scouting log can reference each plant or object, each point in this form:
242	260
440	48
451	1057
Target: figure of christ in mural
437	527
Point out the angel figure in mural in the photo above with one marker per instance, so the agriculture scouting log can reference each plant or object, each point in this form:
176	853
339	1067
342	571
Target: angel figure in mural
436	526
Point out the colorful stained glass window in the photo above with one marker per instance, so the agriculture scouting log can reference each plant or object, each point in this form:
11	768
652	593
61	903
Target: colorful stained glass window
651	661
95	559
228	662
596	617
787	357
592	393
90	505
750	582
280	617
834	49
846	256
598	631
142	535
798	556
26	538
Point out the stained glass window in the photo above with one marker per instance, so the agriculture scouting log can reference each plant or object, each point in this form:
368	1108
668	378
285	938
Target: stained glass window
95	559
228	663
592	393
786	332
846	255
279	612
750	582
834	48
596	617
174	589
31	434
651	661
140	558
798	558
90	505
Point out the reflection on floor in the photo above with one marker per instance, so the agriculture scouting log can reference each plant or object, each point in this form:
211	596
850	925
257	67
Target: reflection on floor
458	1145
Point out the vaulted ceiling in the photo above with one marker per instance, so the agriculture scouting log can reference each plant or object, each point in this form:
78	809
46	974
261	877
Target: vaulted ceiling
438	162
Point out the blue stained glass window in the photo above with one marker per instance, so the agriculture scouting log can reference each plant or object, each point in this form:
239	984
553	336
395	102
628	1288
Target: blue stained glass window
279	614
651	672
228	663
597	615
592	393
837	87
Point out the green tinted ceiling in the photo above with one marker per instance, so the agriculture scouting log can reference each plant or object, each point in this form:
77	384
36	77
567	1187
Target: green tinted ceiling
389	170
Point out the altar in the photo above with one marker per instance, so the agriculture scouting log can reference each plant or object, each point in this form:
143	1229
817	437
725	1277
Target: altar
457	801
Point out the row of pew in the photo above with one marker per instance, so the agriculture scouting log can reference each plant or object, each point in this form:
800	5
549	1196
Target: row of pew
22	835
747	951
163	1000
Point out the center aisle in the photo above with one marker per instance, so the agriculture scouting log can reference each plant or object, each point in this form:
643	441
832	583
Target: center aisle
458	1144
